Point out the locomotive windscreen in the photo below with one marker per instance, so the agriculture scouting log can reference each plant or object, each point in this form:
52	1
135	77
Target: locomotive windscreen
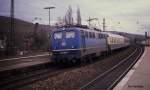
58	35
70	34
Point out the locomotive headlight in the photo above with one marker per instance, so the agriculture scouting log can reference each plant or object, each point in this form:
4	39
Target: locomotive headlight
72	46
63	52
63	43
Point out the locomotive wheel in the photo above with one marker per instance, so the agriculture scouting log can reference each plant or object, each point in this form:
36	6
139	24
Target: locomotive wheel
73	61
83	60
90	59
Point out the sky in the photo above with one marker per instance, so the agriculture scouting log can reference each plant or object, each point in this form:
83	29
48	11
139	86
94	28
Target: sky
131	16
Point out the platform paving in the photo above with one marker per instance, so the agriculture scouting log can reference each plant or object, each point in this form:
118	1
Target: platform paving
21	62
138	78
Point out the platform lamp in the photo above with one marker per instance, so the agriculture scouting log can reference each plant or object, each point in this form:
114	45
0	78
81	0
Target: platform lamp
49	8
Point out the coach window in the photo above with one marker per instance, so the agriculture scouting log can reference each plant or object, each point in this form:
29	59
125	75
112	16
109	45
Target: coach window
99	35
112	40
58	35
105	36
70	34
86	34
115	40
90	35
96	35
82	33
93	35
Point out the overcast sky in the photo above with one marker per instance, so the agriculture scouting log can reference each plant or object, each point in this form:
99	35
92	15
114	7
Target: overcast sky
131	14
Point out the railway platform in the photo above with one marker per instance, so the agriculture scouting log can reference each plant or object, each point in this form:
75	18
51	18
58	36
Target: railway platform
138	78
24	61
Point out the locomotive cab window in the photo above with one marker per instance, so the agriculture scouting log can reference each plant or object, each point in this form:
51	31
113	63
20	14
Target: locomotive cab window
58	35
90	34
70	34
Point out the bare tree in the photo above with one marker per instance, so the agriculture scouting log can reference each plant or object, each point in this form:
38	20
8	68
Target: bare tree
68	17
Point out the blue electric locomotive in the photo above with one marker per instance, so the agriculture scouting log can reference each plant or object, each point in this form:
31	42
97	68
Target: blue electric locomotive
74	43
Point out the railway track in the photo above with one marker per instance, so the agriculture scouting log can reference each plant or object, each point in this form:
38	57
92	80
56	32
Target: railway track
12	79
108	79
26	78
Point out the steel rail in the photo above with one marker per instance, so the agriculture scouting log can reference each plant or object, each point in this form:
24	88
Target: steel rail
126	71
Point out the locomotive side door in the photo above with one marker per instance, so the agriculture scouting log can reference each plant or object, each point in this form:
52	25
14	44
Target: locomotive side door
83	40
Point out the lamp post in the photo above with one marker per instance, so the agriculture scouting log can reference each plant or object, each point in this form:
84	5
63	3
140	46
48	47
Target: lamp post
49	8
11	34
